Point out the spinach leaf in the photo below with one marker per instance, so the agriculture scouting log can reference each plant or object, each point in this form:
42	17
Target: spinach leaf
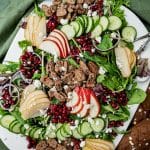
55	101
106	42
137	97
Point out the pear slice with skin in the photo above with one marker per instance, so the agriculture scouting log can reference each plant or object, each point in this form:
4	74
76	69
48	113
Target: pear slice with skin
32	100
35	26
34	110
110	144
97	146
86	148
40	32
26	31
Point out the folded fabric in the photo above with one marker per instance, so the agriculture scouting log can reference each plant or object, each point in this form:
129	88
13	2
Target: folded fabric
11	12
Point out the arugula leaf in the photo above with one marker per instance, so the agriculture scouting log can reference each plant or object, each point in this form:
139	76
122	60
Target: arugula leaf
73	62
36	76
119	131
24	44
137	97
106	42
100	78
10	66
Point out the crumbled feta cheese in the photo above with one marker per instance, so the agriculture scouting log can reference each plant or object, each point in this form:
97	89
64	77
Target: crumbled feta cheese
80	54
63	69
69	95
37	83
98	39
94	13
59	141
76	122
85	5
30	49
108	130
113	35
90	120
93	50
72	144
78	115
104	116
53	89
26	126
63	21
89	13
97	136
97	123
66	87
101	71
82	144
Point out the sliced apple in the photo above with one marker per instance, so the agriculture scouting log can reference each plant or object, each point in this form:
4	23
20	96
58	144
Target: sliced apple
78	108
62	39
94	106
50	47
75	98
59	43
65	38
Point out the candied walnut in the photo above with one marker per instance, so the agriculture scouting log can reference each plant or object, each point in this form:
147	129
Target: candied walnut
47	81
84	67
50	67
93	67
79	75
42	145
71	1
61	11
60	96
60	147
52	143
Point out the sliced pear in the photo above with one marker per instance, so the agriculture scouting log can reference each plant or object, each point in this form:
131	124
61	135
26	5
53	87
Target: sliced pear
33	102
40	32
29	89
26	32
34	110
35	26
99	141
86	148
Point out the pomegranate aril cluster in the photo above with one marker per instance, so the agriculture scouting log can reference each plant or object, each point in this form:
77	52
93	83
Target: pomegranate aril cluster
52	23
98	7
6	98
30	63
59	113
31	142
85	43
115	99
115	124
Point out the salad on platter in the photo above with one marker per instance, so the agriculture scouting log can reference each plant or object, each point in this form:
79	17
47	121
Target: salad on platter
72	86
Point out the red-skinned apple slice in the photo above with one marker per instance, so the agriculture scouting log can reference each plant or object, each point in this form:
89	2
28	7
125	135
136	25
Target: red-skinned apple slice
85	96
50	47
59	44
94	106
78	108
75	98
65	38
62	40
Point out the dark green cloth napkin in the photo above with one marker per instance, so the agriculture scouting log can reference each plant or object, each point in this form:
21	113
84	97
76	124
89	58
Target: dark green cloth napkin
11	11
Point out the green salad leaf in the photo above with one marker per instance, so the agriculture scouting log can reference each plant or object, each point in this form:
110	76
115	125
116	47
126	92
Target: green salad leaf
73	62
24	44
10	66
137	97
106	42
38	10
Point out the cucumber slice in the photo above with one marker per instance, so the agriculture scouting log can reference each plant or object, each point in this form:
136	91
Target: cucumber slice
80	19
58	125
67	129
42	135
86	128
22	129
104	22
97	31
129	33
37	132
98	125
96	20
76	134
59	135
76	26
31	133
81	29
115	23
69	31
16	128
85	20
12	124
6	120
63	132
90	24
